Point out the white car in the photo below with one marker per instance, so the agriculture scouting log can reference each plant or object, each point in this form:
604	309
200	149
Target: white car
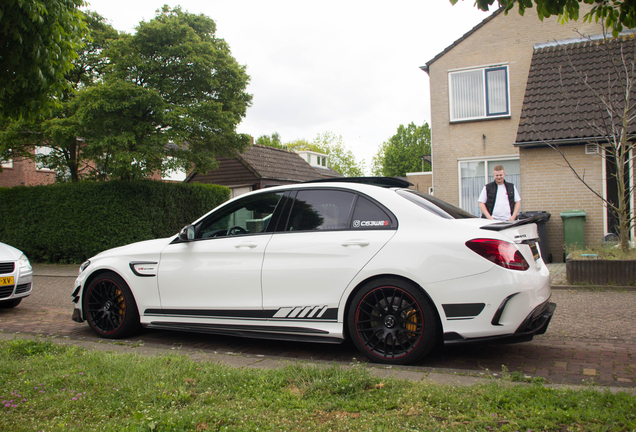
394	270
16	276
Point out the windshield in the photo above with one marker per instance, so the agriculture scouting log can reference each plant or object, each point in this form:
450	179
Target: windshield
434	205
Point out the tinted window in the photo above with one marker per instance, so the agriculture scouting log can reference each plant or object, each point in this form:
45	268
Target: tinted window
368	215
249	215
434	205
320	210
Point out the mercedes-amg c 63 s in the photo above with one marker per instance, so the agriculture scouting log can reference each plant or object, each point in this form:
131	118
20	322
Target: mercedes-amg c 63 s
394	270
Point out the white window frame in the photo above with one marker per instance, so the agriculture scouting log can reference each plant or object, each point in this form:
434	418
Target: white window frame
7	163
43	150
483	93
487	170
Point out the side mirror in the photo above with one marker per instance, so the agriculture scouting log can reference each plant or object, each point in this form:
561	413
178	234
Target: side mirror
187	233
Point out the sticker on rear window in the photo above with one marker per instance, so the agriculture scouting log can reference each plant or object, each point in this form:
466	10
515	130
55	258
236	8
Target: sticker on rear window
358	223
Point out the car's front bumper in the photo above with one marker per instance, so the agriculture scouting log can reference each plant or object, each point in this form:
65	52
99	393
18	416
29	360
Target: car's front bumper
22	286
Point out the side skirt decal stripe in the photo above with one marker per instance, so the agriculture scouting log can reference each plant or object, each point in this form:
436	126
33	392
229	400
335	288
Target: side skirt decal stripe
304	313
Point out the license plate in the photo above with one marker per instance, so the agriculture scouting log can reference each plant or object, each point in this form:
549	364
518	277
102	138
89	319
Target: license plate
535	250
6	280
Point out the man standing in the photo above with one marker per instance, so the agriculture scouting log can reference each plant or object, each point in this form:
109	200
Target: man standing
500	200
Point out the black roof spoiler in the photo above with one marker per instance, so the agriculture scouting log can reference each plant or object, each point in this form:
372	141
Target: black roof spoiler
500	226
387	182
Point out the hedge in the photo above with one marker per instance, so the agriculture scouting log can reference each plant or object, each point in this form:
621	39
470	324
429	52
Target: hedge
70	222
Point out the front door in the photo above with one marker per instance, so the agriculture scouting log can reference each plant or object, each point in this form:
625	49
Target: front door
221	268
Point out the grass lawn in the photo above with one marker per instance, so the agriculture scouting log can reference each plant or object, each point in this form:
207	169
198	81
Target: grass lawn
51	387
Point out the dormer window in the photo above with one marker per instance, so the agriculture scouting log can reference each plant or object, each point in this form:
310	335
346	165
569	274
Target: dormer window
479	93
317	160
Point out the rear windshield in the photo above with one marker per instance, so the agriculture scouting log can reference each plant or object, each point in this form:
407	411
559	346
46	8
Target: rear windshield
434	205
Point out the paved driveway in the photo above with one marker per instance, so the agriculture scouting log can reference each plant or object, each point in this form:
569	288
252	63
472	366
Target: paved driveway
592	337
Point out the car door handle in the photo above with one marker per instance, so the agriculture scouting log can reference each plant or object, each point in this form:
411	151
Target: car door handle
246	245
356	242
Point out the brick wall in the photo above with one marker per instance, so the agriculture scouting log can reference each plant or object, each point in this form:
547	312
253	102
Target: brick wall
549	185
504	39
24	173
421	181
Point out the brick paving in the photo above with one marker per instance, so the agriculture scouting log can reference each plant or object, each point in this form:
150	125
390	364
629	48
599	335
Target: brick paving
575	350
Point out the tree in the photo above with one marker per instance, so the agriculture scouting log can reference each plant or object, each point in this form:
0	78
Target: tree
169	97
121	126
39	39
377	163
616	14
60	131
341	159
271	141
202	86
403	152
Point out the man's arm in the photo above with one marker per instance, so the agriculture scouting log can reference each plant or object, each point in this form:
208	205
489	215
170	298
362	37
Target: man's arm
484	210
516	211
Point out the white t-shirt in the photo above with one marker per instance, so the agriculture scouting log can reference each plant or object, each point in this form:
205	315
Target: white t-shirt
501	211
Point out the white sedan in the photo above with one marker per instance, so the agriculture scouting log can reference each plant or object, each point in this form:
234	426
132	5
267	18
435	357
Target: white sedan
394	270
16	276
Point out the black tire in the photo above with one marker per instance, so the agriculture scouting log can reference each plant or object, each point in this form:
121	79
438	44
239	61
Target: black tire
109	307
8	304
391	321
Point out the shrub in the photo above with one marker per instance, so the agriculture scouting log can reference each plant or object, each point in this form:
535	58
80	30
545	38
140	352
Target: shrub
70	222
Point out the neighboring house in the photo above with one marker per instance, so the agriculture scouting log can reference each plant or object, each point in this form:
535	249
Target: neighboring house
478	85
422	181
260	166
25	172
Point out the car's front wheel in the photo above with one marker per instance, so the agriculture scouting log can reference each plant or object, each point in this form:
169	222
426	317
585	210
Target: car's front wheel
110	307
391	321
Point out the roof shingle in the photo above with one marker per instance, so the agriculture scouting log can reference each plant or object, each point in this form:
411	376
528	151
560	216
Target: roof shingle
566	87
279	164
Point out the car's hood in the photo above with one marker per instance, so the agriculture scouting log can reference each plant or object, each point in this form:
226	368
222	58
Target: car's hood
9	253
139	248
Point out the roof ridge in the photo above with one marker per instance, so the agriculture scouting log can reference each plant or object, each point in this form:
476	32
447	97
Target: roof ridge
272	147
582	40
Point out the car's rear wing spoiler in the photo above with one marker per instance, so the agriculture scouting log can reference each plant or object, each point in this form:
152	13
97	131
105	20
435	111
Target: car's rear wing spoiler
500	226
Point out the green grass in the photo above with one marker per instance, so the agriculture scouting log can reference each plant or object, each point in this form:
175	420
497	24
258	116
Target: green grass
51	387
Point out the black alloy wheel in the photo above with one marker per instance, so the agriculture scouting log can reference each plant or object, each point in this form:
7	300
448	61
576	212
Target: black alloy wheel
110	308
392	322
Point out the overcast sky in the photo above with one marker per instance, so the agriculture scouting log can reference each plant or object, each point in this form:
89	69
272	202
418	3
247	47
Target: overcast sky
349	67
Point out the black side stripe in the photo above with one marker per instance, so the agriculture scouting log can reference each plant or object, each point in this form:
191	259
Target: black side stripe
327	314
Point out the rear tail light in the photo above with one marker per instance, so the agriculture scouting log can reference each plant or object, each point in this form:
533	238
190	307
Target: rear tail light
502	253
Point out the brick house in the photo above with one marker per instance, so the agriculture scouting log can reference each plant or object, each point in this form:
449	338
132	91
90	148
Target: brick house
478	85
261	166
24	172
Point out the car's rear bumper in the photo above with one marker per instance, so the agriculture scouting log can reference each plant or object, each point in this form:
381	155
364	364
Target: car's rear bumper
536	323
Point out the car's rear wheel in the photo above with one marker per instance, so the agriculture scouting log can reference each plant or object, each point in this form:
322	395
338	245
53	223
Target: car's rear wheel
391	321
110	307
8	304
